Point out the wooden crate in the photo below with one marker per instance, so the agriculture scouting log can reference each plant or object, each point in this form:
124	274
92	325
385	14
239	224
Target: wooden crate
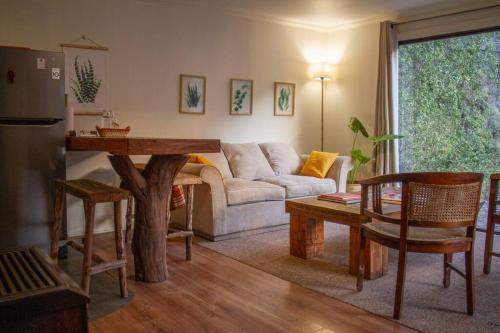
37	296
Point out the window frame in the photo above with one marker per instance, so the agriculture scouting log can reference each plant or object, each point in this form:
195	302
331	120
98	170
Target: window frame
447	35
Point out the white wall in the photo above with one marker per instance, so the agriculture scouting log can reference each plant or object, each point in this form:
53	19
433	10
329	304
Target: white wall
352	90
150	44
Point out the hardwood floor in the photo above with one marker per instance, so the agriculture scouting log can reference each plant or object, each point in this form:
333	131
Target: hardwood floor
214	293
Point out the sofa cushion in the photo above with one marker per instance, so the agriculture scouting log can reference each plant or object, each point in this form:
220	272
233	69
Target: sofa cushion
220	162
247	161
240	191
302	186
282	157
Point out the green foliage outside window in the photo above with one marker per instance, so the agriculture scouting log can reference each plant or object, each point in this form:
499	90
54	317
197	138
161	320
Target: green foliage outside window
449	105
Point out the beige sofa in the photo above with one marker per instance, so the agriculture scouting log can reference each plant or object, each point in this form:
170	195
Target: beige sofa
245	191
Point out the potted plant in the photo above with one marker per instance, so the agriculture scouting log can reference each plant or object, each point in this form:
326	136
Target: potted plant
359	158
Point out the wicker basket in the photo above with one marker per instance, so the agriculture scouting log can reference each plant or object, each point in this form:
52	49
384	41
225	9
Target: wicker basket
113	132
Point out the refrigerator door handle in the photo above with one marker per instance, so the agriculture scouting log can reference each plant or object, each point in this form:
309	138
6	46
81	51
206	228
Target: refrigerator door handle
35	122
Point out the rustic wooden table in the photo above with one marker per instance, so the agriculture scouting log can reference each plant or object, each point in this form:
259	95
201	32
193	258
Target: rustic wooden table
151	189
307	218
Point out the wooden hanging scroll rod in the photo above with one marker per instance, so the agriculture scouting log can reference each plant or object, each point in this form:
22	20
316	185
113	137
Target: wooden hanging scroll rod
96	45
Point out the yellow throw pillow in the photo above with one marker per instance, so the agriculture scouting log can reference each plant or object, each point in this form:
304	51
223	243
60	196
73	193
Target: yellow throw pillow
318	164
199	159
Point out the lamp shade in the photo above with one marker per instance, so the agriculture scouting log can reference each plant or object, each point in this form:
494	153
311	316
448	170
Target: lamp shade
322	71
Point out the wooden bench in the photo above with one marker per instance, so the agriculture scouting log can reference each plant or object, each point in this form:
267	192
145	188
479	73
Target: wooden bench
92	193
37	296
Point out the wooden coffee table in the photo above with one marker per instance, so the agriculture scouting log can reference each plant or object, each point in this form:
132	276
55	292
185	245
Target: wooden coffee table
307	218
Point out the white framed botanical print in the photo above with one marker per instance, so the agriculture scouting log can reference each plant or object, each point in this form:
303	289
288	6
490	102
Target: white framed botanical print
241	97
284	98
192	94
86	78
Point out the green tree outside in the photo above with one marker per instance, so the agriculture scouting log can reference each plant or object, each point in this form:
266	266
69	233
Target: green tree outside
449	105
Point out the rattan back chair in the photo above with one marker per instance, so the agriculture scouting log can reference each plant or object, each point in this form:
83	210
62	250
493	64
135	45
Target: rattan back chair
493	218
438	215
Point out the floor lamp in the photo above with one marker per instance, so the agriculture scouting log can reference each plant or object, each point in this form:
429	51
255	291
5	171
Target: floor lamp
322	73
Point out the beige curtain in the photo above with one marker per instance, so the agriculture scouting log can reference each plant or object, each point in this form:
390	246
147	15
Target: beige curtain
386	110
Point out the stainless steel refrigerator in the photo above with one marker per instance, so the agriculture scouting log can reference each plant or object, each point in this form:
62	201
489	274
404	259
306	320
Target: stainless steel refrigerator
32	152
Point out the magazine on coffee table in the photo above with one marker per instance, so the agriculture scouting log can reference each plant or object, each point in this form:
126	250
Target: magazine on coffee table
346	198
391	197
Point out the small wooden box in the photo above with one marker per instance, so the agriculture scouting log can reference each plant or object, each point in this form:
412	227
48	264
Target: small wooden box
37	296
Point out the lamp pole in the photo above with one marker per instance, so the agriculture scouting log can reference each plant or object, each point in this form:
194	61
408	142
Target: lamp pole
322	73
322	112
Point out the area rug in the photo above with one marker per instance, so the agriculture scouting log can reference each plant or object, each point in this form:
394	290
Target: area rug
104	287
427	306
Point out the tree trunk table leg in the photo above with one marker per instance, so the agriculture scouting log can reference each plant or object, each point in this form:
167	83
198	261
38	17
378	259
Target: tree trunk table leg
306	236
152	191
376	256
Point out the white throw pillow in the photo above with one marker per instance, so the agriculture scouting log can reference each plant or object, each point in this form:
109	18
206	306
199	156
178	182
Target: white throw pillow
282	157
247	161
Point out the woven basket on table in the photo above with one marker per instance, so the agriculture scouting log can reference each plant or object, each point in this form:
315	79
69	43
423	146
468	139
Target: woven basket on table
113	132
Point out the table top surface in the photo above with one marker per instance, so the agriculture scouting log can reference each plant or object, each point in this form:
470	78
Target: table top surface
313	204
142	146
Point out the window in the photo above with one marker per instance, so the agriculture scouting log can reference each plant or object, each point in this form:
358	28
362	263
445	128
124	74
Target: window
449	105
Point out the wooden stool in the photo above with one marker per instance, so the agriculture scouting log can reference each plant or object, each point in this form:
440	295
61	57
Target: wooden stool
188	181
493	219
92	192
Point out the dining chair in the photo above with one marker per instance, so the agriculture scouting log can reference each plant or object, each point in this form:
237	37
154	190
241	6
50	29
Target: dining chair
438	215
493	219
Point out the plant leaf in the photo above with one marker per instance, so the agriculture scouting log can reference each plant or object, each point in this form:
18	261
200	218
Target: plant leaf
357	155
357	126
86	86
385	137
283	100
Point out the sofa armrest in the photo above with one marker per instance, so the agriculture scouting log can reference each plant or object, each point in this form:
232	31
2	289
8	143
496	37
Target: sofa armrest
210	175
303	158
338	171
210	199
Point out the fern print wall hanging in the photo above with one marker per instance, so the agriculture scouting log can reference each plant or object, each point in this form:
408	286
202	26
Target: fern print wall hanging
85	86
284	99
192	94
241	96
86	77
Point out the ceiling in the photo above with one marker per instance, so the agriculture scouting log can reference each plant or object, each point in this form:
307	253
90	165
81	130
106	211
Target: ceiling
332	14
